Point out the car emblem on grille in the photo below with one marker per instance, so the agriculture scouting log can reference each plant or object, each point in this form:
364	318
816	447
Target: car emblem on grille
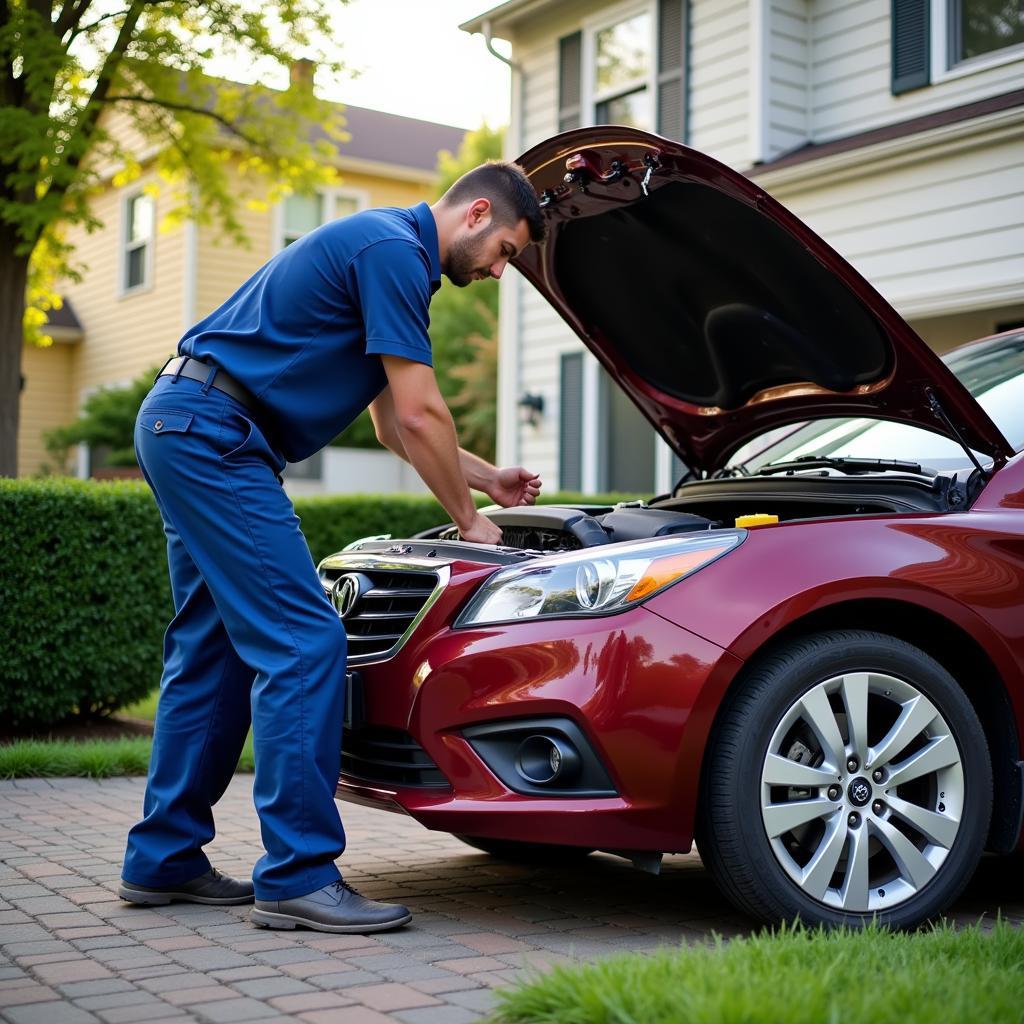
347	591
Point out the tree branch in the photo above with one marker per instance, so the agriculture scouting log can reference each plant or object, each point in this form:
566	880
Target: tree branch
90	115
70	15
190	109
80	29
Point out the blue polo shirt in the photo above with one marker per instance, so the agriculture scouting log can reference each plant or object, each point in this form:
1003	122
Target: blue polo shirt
306	332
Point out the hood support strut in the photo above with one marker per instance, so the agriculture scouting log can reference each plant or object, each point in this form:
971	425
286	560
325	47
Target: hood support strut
937	408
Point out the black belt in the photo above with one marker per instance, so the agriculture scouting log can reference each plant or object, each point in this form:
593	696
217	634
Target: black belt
196	369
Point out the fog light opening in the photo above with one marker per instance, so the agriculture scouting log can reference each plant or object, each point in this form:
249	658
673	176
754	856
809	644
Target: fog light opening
544	760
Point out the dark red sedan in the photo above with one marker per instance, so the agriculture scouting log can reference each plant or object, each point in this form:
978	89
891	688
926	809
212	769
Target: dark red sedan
828	696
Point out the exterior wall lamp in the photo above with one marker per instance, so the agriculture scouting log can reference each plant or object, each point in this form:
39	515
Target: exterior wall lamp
531	409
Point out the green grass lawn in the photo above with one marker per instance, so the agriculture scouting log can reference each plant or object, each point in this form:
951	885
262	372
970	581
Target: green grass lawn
95	759
145	708
794	976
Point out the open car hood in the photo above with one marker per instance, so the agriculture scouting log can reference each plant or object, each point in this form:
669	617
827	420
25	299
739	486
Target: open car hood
715	309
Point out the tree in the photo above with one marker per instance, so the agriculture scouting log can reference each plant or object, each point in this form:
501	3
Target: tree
463	321
64	67
106	422
463	328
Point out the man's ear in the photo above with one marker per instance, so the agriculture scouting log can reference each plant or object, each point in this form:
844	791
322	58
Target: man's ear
478	213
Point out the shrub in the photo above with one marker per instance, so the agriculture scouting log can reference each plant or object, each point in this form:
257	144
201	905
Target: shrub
84	591
84	597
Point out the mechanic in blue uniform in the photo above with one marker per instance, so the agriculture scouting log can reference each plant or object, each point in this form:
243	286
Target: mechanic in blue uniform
334	323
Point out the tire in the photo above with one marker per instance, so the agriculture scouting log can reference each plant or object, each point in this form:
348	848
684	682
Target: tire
528	853
893	835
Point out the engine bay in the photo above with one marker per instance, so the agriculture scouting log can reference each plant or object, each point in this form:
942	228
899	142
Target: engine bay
707	505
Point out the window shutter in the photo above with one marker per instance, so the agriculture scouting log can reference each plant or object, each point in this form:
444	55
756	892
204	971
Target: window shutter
570	424
672	60
570	71
911	52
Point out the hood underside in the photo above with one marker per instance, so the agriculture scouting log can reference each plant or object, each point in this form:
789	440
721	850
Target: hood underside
718	312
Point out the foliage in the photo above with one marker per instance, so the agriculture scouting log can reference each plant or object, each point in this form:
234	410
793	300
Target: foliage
463	323
461	317
94	759
971	976
84	593
84	598
70	72
476	403
107	421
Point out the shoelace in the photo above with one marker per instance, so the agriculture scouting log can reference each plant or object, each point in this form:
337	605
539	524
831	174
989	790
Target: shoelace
342	886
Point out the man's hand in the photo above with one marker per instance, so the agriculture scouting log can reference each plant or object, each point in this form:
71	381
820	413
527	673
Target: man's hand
513	486
482	531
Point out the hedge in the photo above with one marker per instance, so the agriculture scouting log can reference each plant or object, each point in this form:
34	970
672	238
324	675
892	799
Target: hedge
84	592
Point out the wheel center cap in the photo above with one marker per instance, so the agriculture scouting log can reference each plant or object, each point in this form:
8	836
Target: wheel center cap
859	791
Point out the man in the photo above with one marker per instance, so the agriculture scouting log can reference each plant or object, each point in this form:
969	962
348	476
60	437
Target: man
334	323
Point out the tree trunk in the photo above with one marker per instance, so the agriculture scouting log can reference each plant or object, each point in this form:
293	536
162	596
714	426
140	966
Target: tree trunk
13	276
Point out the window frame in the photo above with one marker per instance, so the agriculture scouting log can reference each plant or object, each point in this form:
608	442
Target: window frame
124	290
591	96
945	66
330	197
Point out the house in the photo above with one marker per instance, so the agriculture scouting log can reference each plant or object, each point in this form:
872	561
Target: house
894	128
146	283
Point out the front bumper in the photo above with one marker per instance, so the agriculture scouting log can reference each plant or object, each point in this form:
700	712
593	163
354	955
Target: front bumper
641	690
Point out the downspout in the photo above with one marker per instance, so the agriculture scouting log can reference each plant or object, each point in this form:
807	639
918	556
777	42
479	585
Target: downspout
509	369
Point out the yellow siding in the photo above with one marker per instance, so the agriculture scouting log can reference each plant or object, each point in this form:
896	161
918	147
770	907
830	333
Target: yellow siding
222	265
383	191
124	334
45	401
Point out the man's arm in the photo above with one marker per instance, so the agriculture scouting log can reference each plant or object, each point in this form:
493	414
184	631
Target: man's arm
423	427
507	487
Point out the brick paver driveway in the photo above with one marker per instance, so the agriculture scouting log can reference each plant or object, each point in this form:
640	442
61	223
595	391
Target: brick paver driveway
71	951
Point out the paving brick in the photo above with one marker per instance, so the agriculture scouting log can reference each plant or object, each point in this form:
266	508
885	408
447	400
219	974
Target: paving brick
305	1001
71	970
200	994
230	1010
437	1015
141	1014
346	1015
32	992
470	964
49	1013
390	996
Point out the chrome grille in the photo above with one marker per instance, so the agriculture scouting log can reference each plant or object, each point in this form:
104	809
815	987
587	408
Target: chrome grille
379	606
388	757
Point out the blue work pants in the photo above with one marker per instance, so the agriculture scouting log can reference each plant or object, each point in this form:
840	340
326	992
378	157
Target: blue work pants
253	635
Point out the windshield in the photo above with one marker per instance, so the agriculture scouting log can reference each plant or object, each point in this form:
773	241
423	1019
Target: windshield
992	371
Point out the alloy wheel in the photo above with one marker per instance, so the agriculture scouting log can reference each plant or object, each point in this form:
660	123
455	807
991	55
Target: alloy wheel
862	792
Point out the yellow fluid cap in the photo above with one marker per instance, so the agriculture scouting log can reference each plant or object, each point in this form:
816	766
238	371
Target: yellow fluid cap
757	519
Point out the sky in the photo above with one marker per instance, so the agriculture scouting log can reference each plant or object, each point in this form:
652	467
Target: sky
413	59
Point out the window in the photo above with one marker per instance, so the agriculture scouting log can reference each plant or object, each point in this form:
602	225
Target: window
300	214
622	66
978	27
627	68
138	242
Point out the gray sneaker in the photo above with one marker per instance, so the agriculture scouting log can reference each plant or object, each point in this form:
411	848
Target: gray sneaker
213	888
337	907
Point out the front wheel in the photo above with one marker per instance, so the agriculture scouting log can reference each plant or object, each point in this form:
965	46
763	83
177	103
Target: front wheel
849	780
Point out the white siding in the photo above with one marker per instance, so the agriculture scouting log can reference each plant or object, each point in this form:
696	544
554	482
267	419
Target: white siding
945	232
850	73
719	101
788	75
542	335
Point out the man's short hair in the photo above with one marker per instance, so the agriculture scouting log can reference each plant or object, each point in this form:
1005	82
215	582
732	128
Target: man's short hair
508	188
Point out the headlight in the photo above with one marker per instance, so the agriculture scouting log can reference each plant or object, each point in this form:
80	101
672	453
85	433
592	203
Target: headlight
594	581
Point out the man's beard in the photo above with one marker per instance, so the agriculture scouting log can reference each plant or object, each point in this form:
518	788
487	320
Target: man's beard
463	261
